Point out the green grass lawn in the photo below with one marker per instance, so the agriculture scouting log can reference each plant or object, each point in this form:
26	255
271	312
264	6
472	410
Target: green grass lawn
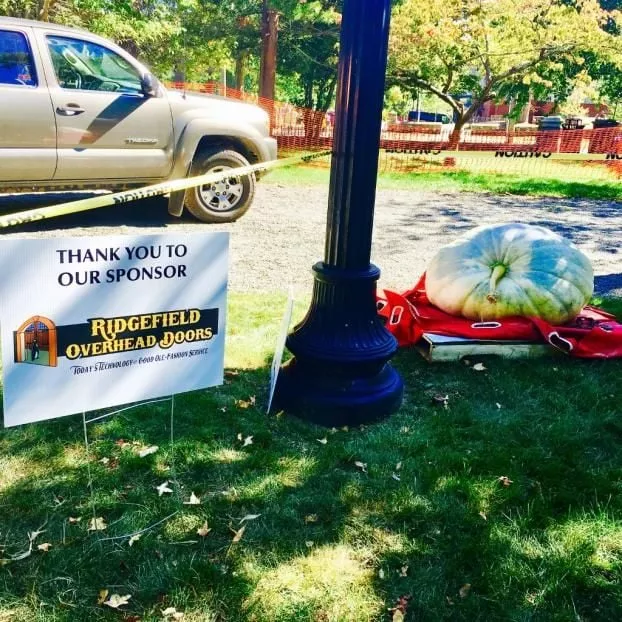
467	181
428	519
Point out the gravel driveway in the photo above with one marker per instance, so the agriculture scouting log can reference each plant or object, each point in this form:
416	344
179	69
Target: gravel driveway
282	235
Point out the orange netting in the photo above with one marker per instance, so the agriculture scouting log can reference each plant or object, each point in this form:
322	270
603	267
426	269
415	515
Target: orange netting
593	153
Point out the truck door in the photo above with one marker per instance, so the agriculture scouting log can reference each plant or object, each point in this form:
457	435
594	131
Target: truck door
27	125
107	127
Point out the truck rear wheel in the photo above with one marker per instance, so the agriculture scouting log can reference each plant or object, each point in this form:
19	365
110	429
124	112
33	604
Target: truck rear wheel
225	200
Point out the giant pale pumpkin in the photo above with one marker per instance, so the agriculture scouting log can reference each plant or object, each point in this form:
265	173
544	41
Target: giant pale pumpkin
513	269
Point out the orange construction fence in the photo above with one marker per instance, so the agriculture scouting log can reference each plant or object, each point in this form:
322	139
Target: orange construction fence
405	146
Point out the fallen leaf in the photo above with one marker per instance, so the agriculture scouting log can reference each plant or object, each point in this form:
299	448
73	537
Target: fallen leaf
203	530
498	406
396	477
97	524
400	609
345	428
122	443
101	596
238	534
322	440
223	409
361	465
252	400
403	571
239	436
162	488
381	574
465	590
147	451
248	441
479	367
483	515
230	373
404	429
311	518
450	601
333	430
111	463
73	520
171	612
134	538
194	500
116	601
242	404
44	547
105	461
249	517
398	466
309	543
505	481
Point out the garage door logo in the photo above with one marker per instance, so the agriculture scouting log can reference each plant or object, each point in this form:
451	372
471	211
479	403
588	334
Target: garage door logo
35	342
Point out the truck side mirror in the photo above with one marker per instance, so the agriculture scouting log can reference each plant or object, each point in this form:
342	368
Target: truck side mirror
149	85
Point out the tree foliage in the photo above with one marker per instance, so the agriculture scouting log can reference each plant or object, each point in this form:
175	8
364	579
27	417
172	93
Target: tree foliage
496	49
308	52
510	50
163	33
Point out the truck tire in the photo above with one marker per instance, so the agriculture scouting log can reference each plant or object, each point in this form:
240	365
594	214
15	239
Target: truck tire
223	201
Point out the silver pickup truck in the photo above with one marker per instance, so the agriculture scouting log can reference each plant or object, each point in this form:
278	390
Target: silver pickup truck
78	112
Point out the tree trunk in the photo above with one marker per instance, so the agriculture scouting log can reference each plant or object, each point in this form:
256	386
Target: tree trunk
179	75
267	70
240	69
44	14
526	111
130	46
454	138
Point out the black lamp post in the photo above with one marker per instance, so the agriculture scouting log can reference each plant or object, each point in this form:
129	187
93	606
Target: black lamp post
340	373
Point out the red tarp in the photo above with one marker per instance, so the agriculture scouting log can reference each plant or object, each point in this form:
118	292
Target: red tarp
593	334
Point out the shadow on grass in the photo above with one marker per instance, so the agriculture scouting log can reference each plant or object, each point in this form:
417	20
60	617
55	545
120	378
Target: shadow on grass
609	285
425	518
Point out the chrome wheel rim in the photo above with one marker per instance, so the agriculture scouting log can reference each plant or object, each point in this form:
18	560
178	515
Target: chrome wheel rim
221	196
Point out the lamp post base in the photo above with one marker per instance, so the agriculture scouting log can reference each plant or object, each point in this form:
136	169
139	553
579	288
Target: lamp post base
333	401
340	373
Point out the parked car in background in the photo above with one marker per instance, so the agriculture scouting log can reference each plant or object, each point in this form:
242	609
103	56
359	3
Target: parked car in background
418	116
600	123
77	111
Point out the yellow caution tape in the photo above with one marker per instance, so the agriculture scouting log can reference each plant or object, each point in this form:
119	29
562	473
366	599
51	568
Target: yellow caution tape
83	205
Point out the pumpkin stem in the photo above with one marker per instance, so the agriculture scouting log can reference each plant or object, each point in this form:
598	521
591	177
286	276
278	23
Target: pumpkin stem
497	274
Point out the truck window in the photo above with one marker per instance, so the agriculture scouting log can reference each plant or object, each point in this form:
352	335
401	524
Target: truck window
16	62
91	67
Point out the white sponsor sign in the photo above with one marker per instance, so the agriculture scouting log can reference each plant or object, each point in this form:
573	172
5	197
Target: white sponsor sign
89	323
